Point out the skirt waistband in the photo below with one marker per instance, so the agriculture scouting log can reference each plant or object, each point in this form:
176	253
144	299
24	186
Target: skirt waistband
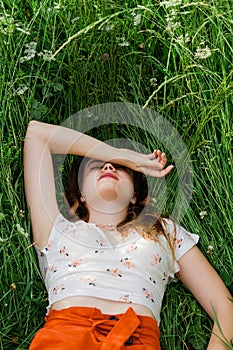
92	313
113	331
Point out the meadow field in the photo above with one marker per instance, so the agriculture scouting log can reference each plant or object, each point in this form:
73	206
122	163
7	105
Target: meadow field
171	57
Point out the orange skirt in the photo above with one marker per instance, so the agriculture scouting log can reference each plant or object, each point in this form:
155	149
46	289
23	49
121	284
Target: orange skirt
84	328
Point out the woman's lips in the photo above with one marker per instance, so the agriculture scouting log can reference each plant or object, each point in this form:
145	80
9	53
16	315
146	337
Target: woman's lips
108	175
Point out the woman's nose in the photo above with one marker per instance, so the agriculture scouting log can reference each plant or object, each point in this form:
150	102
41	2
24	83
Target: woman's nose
109	166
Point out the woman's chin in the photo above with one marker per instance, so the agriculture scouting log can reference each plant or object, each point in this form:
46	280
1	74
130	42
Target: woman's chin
108	197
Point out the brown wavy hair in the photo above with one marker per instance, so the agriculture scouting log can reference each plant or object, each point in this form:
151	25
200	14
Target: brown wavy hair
149	224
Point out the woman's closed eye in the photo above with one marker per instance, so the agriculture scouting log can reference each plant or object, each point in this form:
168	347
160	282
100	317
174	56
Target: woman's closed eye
100	165
95	167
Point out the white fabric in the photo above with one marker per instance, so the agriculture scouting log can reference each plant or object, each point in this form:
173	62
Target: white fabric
80	260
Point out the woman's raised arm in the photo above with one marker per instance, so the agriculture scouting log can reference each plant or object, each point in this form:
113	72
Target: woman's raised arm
42	140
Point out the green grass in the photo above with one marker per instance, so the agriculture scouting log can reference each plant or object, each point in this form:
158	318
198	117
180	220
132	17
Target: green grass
194	94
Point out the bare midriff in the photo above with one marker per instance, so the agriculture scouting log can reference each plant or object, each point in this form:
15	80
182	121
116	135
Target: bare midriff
106	306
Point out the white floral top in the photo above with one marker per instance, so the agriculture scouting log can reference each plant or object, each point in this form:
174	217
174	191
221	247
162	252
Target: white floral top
80	260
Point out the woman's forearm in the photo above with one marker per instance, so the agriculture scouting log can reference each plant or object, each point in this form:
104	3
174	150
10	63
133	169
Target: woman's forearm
62	140
219	341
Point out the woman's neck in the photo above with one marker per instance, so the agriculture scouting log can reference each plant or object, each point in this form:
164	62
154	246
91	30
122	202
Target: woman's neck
107	218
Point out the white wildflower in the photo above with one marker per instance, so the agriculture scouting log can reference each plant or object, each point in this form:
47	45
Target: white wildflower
21	89
21	230
26	58
202	214
171	3
46	54
202	53
30	47
21	213
153	82
136	18
122	42
30	51
210	249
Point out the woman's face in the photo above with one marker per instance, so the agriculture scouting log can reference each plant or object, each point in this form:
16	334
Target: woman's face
105	183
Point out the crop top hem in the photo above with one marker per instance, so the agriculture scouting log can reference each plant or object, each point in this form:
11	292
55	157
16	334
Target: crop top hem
137	299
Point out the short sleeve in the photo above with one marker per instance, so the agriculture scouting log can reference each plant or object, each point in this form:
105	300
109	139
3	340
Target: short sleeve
183	241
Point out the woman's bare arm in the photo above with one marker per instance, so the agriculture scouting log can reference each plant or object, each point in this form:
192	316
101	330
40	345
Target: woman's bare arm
42	140
208	288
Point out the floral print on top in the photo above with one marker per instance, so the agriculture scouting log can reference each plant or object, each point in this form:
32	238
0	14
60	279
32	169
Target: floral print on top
80	260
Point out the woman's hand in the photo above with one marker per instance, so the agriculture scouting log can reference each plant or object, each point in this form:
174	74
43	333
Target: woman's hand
153	164
161	159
